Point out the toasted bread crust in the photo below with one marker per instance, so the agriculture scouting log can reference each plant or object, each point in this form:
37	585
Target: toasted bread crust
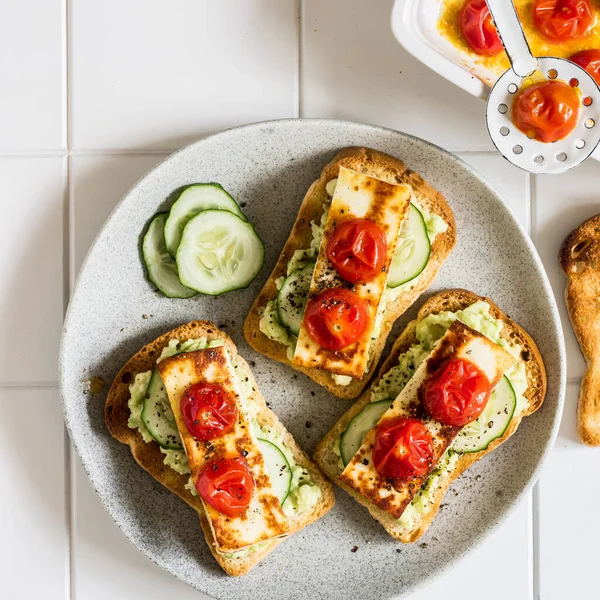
579	258
150	458
375	164
449	300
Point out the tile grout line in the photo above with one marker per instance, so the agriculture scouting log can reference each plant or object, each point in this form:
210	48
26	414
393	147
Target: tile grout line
67	275
300	48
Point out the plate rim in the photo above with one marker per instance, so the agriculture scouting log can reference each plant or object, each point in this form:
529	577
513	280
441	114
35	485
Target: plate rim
511	505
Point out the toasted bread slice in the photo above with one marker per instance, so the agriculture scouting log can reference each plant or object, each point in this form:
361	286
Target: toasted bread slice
150	458
450	300
579	258
384	167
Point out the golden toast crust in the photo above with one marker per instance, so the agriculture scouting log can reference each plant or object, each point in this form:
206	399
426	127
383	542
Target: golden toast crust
451	300
150	458
579	258
375	164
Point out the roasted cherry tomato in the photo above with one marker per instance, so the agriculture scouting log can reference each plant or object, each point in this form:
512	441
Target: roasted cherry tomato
358	250
403	448
590	61
478	28
208	410
336	318
227	485
456	393
563	19
547	111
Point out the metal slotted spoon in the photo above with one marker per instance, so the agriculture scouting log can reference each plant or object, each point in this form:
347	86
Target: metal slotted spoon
524	152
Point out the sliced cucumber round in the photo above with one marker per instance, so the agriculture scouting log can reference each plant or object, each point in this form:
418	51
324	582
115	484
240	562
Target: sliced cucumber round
354	436
278	468
157	415
292	298
218	253
195	199
412	250
162	270
492	423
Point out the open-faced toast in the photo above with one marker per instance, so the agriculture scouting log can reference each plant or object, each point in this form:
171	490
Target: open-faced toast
391	170
327	454
149	455
579	258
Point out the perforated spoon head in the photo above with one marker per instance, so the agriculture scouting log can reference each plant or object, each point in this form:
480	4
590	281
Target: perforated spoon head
532	155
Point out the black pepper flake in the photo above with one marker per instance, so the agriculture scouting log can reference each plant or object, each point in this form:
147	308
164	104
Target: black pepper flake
244	452
354	549
308	424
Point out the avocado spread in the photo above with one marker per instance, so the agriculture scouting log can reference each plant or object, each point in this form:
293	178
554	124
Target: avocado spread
304	493
428	331
270	324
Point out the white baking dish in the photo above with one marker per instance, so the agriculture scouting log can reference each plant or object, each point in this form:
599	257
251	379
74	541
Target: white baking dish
414	24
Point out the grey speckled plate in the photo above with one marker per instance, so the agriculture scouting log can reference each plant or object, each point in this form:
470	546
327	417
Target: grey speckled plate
268	167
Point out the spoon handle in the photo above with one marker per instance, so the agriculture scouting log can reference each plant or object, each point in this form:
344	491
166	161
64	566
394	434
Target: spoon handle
512	36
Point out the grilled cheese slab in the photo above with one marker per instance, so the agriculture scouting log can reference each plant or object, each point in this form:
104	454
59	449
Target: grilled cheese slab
393	495
264	518
356	196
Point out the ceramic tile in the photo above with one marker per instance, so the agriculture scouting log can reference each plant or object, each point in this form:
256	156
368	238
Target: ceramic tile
31	297
353	68
31	75
99	547
561	203
569	490
98	184
151	74
33	552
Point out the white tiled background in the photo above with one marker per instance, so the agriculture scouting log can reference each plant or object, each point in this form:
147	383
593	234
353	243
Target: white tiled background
93	94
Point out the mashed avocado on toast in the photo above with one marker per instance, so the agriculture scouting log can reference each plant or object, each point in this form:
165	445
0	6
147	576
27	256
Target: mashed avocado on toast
303	493
270	323
428	331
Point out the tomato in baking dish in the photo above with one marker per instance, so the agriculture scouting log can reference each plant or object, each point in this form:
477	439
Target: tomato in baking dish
478	28
227	485
590	61
547	111
336	318
403	448
358	249
208	410
456	393
563	19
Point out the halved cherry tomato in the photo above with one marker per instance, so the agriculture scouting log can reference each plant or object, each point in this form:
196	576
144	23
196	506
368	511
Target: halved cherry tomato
547	111
478	28
590	61
358	250
336	318
227	485
208	410
403	448
563	19
456	393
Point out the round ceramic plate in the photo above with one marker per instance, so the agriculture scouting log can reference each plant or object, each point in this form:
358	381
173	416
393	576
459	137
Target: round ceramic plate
114	311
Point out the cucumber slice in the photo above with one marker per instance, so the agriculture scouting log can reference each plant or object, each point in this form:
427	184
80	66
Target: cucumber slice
412	250
218	253
492	423
292	298
157	415
354	436
195	199
162	270
278	468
